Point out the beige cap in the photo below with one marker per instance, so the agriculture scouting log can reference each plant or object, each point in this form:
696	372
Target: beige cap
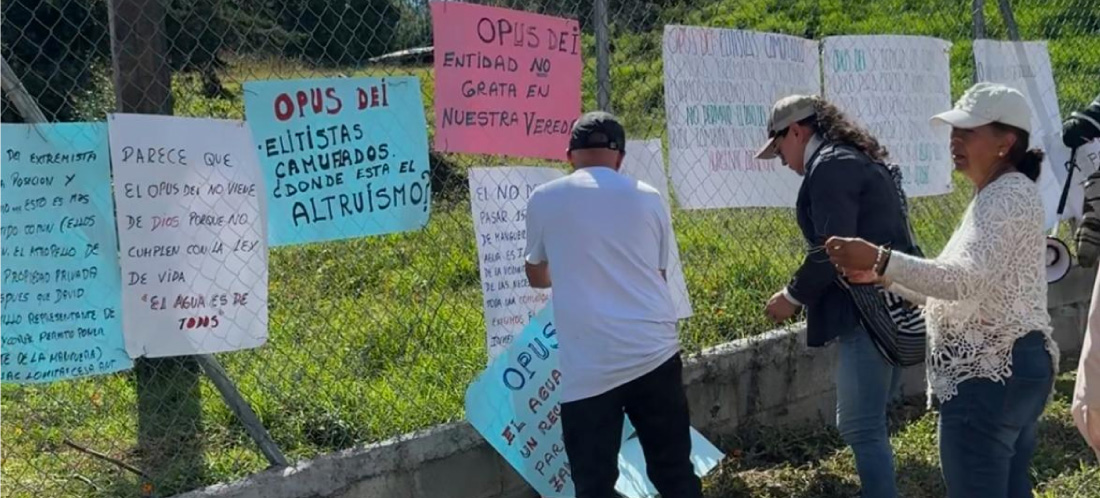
986	103
787	111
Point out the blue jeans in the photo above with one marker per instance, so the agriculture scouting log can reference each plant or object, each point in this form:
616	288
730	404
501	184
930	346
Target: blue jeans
865	385
987	430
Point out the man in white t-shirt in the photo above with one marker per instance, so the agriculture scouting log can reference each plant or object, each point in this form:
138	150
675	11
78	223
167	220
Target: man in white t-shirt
603	240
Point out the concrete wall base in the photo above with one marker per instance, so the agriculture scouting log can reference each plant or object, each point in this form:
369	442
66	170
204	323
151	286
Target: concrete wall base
771	379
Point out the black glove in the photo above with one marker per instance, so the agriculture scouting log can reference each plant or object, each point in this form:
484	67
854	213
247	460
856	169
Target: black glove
1082	127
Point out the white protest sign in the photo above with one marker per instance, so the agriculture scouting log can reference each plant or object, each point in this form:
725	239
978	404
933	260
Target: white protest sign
192	235
498	199
1088	159
720	85
645	162
1025	66
633	480
892	85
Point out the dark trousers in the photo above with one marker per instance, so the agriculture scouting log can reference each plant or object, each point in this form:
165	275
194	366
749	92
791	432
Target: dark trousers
592	429
988	430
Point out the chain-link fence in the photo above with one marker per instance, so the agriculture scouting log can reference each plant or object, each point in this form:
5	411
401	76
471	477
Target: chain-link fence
374	337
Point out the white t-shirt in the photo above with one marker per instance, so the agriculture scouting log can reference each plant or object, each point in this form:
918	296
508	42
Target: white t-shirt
606	238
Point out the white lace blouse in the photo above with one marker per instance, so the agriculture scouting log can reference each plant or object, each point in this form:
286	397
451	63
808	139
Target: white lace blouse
986	289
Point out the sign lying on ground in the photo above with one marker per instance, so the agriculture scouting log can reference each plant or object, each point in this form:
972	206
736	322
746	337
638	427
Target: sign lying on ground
514	404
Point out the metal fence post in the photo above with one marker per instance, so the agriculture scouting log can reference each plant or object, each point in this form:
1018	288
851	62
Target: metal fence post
603	55
23	102
978	16
978	13
169	398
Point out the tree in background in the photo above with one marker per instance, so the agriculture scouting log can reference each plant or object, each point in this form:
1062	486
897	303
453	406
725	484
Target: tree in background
200	31
338	33
52	45
57	46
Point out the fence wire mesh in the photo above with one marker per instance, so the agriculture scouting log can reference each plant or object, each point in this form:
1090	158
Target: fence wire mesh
374	337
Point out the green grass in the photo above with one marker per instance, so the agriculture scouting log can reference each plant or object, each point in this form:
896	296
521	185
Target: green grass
379	336
814	463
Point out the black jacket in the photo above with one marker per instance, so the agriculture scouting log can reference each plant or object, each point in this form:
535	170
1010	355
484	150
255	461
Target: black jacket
843	194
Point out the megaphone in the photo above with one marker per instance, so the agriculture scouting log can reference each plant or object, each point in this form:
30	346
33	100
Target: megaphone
1058	260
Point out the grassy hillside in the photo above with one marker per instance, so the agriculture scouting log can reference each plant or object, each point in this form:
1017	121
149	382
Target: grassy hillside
378	336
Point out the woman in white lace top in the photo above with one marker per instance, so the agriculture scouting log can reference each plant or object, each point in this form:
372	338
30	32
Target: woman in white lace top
991	360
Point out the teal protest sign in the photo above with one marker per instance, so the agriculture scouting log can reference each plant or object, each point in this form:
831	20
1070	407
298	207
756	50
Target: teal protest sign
514	404
341	157
61	277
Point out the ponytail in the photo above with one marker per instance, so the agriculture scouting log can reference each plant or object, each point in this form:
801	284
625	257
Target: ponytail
1027	161
1030	164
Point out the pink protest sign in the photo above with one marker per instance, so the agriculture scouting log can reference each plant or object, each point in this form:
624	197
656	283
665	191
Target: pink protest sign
506	82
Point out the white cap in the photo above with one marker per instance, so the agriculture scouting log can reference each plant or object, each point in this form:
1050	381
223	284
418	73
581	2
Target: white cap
986	103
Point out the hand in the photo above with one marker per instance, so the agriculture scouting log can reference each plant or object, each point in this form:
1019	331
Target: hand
863	277
779	309
851	255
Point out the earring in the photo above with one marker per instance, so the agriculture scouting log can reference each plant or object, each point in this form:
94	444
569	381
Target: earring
1001	154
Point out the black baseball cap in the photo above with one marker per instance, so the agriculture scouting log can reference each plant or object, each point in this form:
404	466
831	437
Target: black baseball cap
598	130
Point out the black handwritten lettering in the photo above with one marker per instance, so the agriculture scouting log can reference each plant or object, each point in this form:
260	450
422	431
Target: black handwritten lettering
535	125
370	199
472	89
479	60
155	155
461	117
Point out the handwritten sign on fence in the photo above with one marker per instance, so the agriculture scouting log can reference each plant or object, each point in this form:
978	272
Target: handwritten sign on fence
720	85
506	82
192	233
892	85
61	310
514	404
342	157
1025	66
498	199
645	162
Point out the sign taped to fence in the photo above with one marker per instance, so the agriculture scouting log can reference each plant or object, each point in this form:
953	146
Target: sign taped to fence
61	298
720	85
1025	66
342	157
498	199
192	235
514	404
892	85
645	162
506	82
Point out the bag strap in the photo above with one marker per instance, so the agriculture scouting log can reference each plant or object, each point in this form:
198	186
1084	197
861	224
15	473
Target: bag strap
895	174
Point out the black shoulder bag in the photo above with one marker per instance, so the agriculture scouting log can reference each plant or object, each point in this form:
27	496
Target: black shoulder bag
896	326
